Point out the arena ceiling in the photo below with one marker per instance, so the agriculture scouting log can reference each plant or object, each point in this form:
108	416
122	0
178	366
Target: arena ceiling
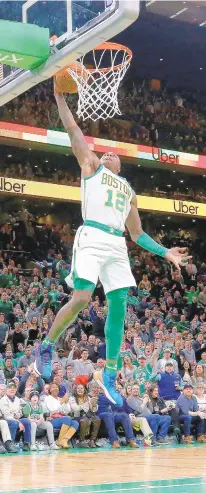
168	46
192	12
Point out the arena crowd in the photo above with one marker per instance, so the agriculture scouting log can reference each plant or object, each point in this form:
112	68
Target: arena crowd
161	368
162	363
162	118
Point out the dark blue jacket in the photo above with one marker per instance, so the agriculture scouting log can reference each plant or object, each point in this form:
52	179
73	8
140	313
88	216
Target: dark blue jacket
105	406
124	409
166	385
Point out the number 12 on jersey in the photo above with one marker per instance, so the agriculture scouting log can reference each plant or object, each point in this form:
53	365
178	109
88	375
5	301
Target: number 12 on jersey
115	200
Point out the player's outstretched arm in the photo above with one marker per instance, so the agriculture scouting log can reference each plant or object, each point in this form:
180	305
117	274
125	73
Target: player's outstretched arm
87	160
176	255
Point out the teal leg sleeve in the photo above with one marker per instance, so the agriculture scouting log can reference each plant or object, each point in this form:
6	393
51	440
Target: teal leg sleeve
114	327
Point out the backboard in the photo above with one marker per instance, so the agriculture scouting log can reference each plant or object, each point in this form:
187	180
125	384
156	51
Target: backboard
80	25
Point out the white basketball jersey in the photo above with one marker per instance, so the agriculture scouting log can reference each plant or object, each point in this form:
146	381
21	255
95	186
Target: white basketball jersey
106	198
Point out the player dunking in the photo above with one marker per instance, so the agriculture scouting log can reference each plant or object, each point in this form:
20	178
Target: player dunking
108	203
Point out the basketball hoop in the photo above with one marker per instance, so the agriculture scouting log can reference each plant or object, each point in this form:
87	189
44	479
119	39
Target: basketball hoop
98	92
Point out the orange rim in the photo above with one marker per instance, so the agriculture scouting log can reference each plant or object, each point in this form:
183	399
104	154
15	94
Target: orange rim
111	46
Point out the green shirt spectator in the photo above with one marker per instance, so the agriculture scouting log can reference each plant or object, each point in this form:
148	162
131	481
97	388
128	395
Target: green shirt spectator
6	306
121	356
33	296
142	375
19	354
56	261
33	412
35	285
4	329
131	299
169	321
8	355
5	278
53	296
191	294
144	371
61	267
183	324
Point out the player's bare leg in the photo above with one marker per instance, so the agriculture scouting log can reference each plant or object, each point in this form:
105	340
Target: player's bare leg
64	318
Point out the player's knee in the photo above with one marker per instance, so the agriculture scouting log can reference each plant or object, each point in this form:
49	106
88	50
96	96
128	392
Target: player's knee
81	298
119	295
117	299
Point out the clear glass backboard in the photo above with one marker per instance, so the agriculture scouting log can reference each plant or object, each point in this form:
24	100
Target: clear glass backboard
79	25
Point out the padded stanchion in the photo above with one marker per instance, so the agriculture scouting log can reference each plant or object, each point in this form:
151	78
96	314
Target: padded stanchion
23	45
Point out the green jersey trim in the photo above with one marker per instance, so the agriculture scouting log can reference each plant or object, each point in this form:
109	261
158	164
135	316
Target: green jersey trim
103	227
94	174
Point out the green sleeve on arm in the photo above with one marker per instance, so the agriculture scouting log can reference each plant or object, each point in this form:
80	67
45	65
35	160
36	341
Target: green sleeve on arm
145	241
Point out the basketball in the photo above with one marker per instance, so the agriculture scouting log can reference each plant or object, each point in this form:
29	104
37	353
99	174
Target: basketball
64	80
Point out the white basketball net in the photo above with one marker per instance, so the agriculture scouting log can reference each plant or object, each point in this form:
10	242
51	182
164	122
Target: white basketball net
98	91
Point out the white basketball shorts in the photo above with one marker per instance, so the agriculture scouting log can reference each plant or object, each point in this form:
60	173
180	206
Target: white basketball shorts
103	256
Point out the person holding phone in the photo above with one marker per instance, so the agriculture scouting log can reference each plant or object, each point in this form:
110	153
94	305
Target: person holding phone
159	406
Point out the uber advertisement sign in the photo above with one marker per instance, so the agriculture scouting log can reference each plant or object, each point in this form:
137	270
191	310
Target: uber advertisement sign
72	194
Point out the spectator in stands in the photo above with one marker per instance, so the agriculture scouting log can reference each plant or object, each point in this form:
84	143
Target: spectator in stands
169	383
34	412
27	359
187	407
85	408
10	409
30	380
81	366
160	406
161	364
158	424
58	410
4	332
110	418
202	297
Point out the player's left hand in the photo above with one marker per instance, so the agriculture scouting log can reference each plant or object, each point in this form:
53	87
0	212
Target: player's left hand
178	256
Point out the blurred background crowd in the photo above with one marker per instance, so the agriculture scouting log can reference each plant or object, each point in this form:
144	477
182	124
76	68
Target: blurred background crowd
162	359
161	118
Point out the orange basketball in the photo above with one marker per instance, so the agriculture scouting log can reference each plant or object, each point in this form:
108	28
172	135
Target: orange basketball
65	82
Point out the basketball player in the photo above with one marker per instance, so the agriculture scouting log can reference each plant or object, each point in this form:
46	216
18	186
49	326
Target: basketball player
108	203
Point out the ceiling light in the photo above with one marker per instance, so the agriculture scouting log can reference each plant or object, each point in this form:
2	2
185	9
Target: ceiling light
178	13
161	59
9	155
200	68
169	217
169	185
181	181
163	225
23	200
46	161
36	166
174	171
29	148
138	165
152	176
52	203
194	220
